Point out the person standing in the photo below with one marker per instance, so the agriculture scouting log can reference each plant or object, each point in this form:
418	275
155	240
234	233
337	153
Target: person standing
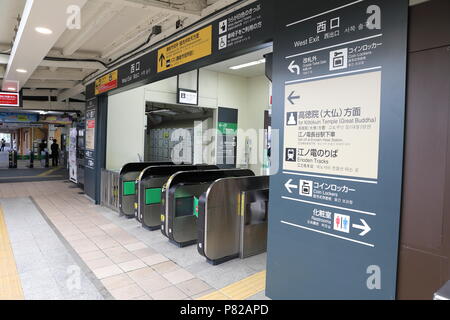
55	153
3	145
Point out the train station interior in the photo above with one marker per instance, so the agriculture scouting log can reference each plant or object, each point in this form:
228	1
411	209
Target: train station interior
224	150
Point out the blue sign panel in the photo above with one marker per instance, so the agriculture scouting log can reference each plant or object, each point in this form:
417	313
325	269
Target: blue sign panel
339	80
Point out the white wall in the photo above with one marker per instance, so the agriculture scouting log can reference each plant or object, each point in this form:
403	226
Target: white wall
126	128
257	102
249	95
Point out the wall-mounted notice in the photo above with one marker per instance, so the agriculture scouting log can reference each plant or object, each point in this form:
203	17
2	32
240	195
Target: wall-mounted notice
339	87
192	47
91	117
73	155
90	134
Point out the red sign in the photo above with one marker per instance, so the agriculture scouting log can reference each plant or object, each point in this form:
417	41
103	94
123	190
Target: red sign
91	124
9	99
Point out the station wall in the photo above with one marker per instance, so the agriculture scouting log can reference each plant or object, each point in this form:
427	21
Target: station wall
125	128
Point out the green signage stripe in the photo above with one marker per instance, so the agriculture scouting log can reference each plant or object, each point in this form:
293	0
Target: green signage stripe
153	196
195	206
129	188
227	128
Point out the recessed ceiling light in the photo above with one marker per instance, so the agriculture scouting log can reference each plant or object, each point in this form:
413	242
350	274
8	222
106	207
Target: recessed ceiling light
21	70
43	30
249	64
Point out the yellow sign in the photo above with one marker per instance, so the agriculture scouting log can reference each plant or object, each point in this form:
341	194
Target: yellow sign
192	47
106	83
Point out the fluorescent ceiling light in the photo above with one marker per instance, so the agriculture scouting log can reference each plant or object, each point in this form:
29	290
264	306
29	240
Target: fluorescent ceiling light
21	70
249	64
11	89
43	30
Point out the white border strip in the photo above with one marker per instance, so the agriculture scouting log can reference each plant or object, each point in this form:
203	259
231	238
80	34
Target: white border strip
334	46
321	14
330	206
328	234
330	177
333	75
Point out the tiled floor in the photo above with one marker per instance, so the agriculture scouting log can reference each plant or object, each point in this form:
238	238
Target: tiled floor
116	255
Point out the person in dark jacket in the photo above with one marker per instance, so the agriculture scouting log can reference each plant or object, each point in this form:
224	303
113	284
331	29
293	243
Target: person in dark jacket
55	153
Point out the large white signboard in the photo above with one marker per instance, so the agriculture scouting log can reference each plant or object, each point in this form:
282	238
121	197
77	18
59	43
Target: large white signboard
334	132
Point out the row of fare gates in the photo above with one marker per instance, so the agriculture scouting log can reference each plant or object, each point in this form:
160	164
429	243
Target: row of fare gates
13	157
223	211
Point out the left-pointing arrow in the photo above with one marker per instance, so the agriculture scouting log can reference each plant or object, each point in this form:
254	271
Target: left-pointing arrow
291	97
365	227
290	186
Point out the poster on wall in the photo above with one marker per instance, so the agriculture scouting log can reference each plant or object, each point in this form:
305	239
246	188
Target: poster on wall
91	114
339	91
73	155
90	134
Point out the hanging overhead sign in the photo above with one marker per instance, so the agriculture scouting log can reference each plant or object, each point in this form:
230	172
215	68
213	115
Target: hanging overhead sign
106	83
18	117
227	37
339	84
9	99
56	119
186	96
189	48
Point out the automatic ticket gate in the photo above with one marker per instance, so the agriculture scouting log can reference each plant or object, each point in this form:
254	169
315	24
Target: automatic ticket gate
180	197
149	185
127	184
232	219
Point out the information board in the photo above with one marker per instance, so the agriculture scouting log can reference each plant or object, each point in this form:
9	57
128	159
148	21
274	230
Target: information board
189	48
339	87
91	117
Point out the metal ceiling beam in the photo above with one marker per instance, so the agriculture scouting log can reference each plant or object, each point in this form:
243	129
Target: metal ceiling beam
39	93
70	92
53	105
142	30
50	84
92	27
161	6
49	75
92	65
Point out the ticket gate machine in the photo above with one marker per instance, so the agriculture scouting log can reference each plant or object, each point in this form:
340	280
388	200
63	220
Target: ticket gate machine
232	219
180	197
149	185
127	185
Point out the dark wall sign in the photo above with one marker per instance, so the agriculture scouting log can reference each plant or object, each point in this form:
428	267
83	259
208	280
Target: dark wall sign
90	145
339	80
232	35
227	125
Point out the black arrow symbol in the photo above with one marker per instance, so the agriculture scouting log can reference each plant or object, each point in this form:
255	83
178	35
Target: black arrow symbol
291	97
161	59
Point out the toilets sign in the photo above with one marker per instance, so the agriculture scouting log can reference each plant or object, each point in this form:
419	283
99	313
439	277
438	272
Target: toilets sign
340	69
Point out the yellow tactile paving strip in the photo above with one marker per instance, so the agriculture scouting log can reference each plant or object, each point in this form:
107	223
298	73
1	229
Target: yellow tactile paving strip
10	286
48	172
240	290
